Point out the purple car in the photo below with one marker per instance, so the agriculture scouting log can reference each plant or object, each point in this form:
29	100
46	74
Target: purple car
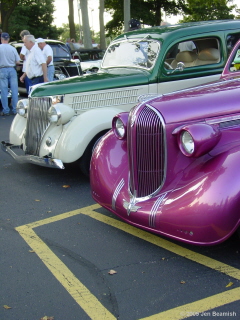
172	165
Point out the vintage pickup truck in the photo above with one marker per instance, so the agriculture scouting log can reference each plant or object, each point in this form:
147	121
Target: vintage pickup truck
61	121
171	165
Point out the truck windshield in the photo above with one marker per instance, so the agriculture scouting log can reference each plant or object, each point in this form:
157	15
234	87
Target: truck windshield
137	53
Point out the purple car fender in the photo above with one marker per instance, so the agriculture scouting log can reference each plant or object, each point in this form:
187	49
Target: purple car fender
202	208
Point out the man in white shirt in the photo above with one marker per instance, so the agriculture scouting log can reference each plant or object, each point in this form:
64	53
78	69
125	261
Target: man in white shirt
36	66
48	54
23	56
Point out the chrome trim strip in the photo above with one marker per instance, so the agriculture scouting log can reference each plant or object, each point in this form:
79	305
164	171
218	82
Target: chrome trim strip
116	193
153	212
223	119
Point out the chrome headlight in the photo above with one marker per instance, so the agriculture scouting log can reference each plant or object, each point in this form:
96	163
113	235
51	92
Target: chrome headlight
60	76
60	113
22	106
54	114
187	142
119	126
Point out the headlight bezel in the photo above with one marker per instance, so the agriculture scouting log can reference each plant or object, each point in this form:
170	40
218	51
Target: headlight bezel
204	136
187	143
119	125
21	108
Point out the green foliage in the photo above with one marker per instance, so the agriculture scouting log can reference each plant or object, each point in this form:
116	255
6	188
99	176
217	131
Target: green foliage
35	16
198	10
65	33
147	12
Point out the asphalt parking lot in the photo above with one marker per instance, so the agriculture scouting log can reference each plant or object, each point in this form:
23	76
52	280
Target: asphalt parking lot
65	257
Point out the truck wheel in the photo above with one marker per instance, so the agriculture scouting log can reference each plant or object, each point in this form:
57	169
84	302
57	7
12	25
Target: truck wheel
84	161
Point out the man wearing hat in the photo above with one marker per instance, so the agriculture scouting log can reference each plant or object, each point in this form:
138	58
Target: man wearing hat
48	54
36	67
9	58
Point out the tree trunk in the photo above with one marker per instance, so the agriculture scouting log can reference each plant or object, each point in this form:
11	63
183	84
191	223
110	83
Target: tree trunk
102	27
71	20
127	14
87	39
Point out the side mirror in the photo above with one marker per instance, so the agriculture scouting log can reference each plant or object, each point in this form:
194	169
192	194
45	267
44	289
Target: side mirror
180	66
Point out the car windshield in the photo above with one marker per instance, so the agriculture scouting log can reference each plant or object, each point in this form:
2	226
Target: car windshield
139	53
60	51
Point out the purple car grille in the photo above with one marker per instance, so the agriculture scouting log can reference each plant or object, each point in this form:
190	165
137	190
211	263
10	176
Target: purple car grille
146	152
37	123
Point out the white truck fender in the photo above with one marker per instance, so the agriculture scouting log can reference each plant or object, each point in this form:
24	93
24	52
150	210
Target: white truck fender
79	133
17	130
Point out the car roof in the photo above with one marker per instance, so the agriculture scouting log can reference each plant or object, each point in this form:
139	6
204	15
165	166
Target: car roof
182	29
48	41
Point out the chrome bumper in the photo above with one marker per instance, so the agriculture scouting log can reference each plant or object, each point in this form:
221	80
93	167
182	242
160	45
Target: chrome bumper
45	162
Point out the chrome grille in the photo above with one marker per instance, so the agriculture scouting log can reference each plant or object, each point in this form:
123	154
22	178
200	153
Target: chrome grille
104	99
37	123
146	151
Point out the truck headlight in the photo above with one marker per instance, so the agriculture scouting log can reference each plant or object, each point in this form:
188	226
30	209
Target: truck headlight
187	142
54	114
60	113
22	106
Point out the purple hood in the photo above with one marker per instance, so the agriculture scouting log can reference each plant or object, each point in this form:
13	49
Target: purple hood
201	102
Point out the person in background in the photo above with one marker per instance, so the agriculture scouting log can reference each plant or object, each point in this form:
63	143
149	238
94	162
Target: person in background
187	46
48	54
9	58
68	41
23	56
73	40
134	24
36	66
81	45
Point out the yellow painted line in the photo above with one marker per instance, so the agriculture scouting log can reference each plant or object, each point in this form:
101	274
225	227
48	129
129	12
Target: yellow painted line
90	304
200	307
87	301
186	253
59	217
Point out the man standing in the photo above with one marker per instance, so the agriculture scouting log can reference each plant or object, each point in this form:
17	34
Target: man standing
36	67
8	74
23	56
48	54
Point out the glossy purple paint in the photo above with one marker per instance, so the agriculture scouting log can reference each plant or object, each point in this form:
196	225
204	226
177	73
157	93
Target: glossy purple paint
198	201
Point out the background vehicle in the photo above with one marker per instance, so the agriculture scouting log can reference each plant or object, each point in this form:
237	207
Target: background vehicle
61	121
170	166
65	66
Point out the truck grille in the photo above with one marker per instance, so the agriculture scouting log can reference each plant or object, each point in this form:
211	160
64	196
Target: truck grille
146	151
37	123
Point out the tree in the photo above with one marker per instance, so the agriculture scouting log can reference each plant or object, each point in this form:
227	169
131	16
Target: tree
71	20
198	10
147	12
36	16
101	23
7	8
87	39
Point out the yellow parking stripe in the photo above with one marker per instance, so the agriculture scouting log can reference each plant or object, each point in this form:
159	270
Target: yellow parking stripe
91	305
87	301
200	308
165	244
